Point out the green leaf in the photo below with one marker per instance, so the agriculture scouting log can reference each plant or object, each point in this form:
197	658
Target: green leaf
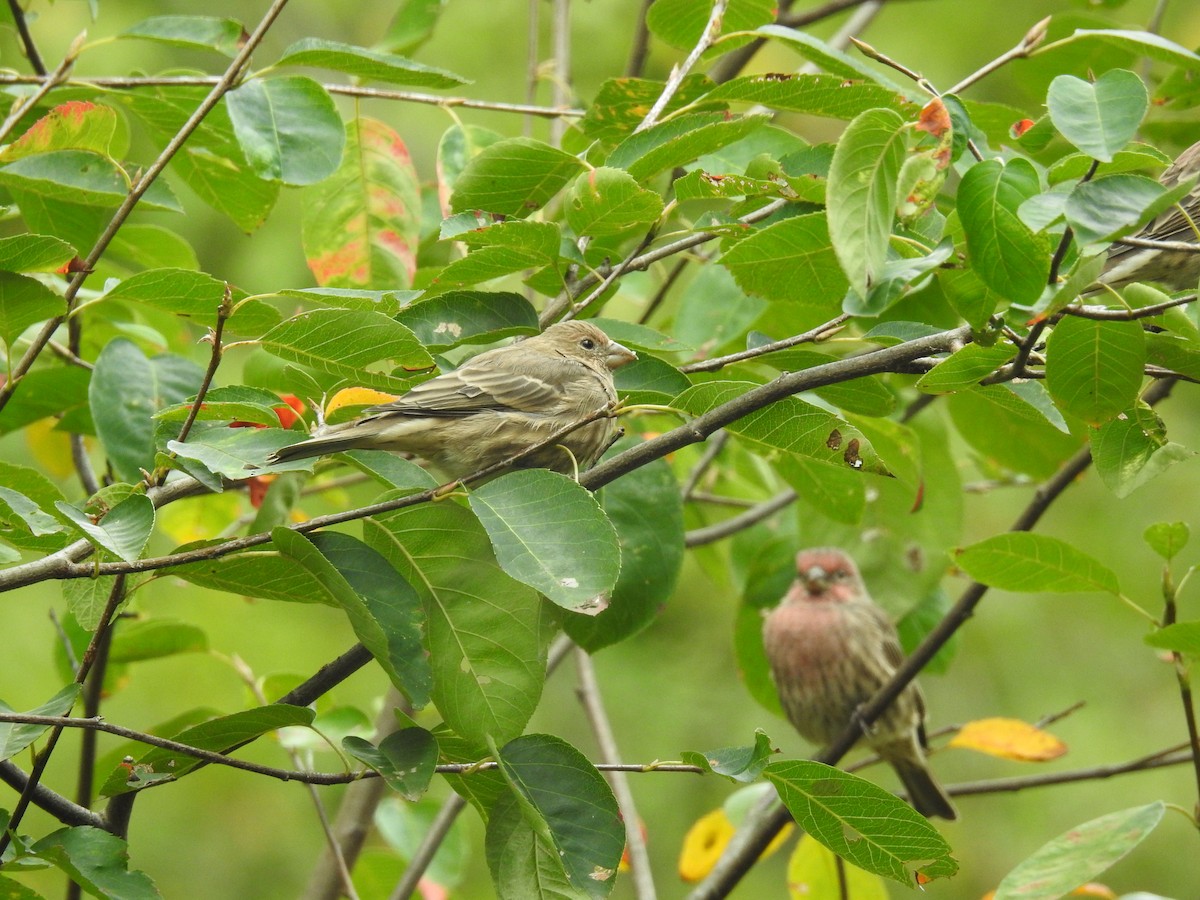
486	633
97	861
125	392
551	534
1080	854
369	64
735	763
406	759
1019	561
861	822
220	734
646	510
1098	117
1109	206
211	162
1138	43
1182	637
140	640
829	59
33	253
863	193
522	860
344	342
1007	429
384	610
14	738
498	249
513	177
179	291
263	572
1094	367
288	128
25	301
204	32
826	95
680	23
567	802
1005	253
123	530
75	178
1133	448
965	367
792	261
679	141
361	226
28	496
469	317
607	201
1167	538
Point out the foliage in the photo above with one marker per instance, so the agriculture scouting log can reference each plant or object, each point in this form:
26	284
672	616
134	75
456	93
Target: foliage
833	325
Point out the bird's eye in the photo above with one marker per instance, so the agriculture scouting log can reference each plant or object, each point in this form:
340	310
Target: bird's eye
587	344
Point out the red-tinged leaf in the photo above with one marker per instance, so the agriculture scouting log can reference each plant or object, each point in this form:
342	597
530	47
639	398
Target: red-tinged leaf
77	125
361	226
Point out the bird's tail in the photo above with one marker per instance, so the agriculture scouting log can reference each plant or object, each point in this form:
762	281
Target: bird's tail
925	794
318	446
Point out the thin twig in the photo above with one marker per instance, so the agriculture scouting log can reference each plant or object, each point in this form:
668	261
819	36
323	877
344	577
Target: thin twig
115	597
1126	315
640	48
821	332
1027	44
679	72
751	517
713	449
561	86
27	42
345	90
224	309
635	841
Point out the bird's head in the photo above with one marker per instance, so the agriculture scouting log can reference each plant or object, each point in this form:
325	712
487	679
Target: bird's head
827	574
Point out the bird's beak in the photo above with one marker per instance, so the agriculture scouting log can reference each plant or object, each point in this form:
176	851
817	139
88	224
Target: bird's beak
618	355
815	578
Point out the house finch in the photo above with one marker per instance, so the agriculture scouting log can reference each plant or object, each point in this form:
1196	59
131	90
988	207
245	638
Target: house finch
830	649
1177	269
496	405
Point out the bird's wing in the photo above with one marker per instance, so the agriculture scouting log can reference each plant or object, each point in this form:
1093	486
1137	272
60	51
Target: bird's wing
475	388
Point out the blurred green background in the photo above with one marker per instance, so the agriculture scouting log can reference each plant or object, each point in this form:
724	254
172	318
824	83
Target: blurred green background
227	834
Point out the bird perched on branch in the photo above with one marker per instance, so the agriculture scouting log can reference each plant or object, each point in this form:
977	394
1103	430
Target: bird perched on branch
496	405
1177	269
830	649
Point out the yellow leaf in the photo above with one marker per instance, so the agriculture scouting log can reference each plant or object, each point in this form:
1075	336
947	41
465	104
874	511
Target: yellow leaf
1009	739
706	841
812	873
703	844
357	396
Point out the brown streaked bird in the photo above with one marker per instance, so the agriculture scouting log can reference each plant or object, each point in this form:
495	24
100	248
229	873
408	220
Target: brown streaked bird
830	649
495	405
1178	270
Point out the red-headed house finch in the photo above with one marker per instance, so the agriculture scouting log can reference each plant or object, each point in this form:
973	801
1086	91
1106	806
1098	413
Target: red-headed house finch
494	406
830	649
1176	269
